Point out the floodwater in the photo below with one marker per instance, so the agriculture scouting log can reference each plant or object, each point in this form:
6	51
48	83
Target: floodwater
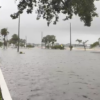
51	74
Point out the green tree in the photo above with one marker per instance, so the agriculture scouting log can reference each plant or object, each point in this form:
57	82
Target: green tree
84	44
44	40
4	32
53	39
1	44
94	44
22	42
49	39
14	39
79	41
51	9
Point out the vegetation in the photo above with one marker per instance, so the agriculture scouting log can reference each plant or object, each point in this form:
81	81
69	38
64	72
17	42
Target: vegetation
84	44
79	41
71	47
0	95
29	46
1	44
94	44
14	40
51	9
22	42
21	52
49	39
61	47
4	32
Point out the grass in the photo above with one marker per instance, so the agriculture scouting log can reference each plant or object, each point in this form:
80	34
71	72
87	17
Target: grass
0	95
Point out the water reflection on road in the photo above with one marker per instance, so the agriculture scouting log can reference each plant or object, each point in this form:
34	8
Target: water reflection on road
51	74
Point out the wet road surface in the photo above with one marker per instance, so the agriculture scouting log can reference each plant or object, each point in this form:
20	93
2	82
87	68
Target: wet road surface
51	74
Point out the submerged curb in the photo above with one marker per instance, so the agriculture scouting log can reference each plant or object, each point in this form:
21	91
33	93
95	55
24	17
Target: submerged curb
4	89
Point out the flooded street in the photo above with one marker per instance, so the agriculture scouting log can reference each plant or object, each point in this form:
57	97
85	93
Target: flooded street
51	74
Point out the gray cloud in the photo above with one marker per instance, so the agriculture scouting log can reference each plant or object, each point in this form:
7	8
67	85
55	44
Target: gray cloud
32	28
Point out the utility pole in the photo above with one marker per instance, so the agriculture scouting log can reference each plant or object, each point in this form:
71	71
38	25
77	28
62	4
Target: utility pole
26	41
70	31
41	39
70	38
18	32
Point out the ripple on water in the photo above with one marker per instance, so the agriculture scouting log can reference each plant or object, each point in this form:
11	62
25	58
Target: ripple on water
51	75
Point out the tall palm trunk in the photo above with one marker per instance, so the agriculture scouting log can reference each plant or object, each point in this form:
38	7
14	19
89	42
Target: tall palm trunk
84	47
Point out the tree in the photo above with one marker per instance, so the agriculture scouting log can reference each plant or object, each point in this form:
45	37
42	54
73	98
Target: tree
22	42
53	39
79	41
94	44
4	32
84	44
99	42
49	39
44	40
1	44
14	39
51	9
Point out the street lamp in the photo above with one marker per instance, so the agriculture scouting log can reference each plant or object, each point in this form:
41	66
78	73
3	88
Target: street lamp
70	38
18	32
70	31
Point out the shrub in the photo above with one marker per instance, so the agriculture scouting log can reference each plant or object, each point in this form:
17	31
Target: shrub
0	95
47	46
61	47
21	52
94	44
30	46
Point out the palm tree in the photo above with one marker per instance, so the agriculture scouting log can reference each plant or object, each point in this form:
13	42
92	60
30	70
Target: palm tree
4	32
84	44
79	41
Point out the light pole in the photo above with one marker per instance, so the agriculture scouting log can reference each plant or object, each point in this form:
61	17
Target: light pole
41	39
26	41
18	32
70	31
70	38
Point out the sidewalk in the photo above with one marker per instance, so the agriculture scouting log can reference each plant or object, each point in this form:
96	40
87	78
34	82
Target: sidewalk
5	92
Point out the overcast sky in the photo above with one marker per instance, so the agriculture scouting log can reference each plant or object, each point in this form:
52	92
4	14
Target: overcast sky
32	28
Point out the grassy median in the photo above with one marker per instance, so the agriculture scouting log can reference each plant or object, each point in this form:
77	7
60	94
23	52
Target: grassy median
0	95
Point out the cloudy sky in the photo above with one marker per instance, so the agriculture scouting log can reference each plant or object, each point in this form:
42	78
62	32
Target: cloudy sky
32	28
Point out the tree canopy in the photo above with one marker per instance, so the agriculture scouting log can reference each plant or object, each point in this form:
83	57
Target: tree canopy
51	9
94	44
49	39
4	32
14	39
79	41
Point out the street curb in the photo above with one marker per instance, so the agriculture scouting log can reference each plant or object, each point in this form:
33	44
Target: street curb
4	89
